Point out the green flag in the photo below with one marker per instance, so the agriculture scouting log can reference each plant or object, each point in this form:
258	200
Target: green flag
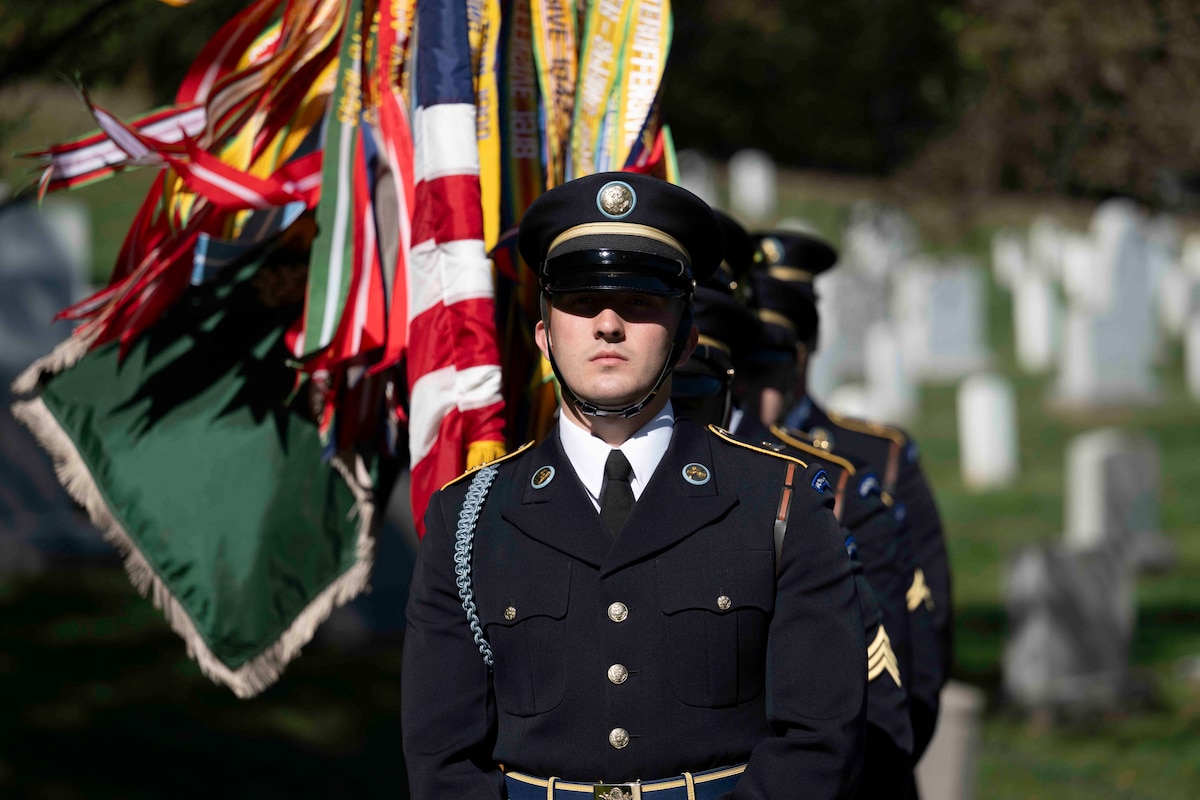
199	459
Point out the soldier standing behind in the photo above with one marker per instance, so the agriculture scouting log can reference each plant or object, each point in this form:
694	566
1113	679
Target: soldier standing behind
782	291
636	604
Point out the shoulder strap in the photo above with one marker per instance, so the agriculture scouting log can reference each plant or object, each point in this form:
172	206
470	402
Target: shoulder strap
464	541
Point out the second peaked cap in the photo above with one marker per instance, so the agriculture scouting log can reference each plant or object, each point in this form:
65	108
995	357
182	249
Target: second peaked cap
620	231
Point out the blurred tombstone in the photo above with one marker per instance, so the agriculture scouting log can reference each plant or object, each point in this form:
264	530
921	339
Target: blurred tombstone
1189	255
891	394
1178	300
1046	246
1009	262
941	311
949	768
698	175
1084	285
1112	497
1191	355
878	239
40	274
1071	619
850	400
848	300
1110	337
753	190
987	432
1037	323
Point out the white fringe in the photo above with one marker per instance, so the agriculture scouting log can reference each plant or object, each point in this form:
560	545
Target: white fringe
64	356
264	669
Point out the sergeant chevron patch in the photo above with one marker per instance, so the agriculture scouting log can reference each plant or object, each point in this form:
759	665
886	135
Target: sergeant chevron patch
881	659
919	592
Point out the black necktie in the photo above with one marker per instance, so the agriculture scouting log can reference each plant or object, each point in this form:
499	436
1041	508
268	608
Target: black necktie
616	498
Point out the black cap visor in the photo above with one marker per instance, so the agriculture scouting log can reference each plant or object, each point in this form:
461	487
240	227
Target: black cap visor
615	270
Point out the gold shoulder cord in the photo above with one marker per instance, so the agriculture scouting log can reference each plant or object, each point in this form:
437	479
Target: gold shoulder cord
873	428
724	435
807	447
491	463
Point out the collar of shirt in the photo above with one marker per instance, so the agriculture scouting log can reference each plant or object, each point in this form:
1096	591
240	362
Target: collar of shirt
644	450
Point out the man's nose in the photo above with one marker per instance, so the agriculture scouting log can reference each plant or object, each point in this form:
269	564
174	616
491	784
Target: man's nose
609	323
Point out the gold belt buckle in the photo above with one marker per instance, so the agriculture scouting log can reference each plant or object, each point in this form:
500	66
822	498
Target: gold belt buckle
619	791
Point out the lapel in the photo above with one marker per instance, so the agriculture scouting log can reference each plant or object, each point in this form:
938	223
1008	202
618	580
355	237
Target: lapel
560	514
670	508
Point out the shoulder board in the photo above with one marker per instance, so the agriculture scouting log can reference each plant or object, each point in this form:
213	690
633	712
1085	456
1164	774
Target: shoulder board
492	463
874	428
721	433
787	438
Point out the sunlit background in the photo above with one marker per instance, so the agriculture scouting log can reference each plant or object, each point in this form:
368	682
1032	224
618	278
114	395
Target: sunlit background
1014	188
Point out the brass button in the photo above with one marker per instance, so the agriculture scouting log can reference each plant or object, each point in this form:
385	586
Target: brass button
618	674
618	738
617	612
724	603
510	613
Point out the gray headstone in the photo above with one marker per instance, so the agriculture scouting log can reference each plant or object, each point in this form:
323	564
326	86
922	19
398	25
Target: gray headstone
1113	497
941	311
1110	338
753	190
845	298
38	521
1071	618
987	432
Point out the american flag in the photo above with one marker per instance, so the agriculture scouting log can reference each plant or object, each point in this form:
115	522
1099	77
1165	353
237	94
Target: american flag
454	381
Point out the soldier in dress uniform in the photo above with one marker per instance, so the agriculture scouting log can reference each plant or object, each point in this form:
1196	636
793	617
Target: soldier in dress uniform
635	606
781	288
702	391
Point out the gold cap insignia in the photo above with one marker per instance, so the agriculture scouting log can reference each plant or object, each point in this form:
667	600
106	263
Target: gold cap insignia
772	249
510	613
542	477
696	474
616	199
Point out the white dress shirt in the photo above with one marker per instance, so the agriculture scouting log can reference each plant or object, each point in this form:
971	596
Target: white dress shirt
644	450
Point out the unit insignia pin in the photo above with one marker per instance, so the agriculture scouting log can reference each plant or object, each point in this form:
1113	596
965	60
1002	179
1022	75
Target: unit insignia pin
772	250
541	479
696	474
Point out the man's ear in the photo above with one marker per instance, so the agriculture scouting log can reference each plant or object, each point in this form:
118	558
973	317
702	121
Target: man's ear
542	337
692	340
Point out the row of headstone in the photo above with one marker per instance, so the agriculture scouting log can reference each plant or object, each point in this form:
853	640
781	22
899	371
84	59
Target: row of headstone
1099	306
1070	603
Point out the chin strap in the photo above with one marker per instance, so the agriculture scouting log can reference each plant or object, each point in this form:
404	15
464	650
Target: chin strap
682	330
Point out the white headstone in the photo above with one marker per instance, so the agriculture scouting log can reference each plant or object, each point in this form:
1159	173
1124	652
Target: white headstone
1084	284
987	432
850	400
845	298
891	393
878	239
1189	257
1037	323
753	190
941	311
1112	497
949	768
1009	261
1046	246
1178	300
698	175
1071	617
1191	355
